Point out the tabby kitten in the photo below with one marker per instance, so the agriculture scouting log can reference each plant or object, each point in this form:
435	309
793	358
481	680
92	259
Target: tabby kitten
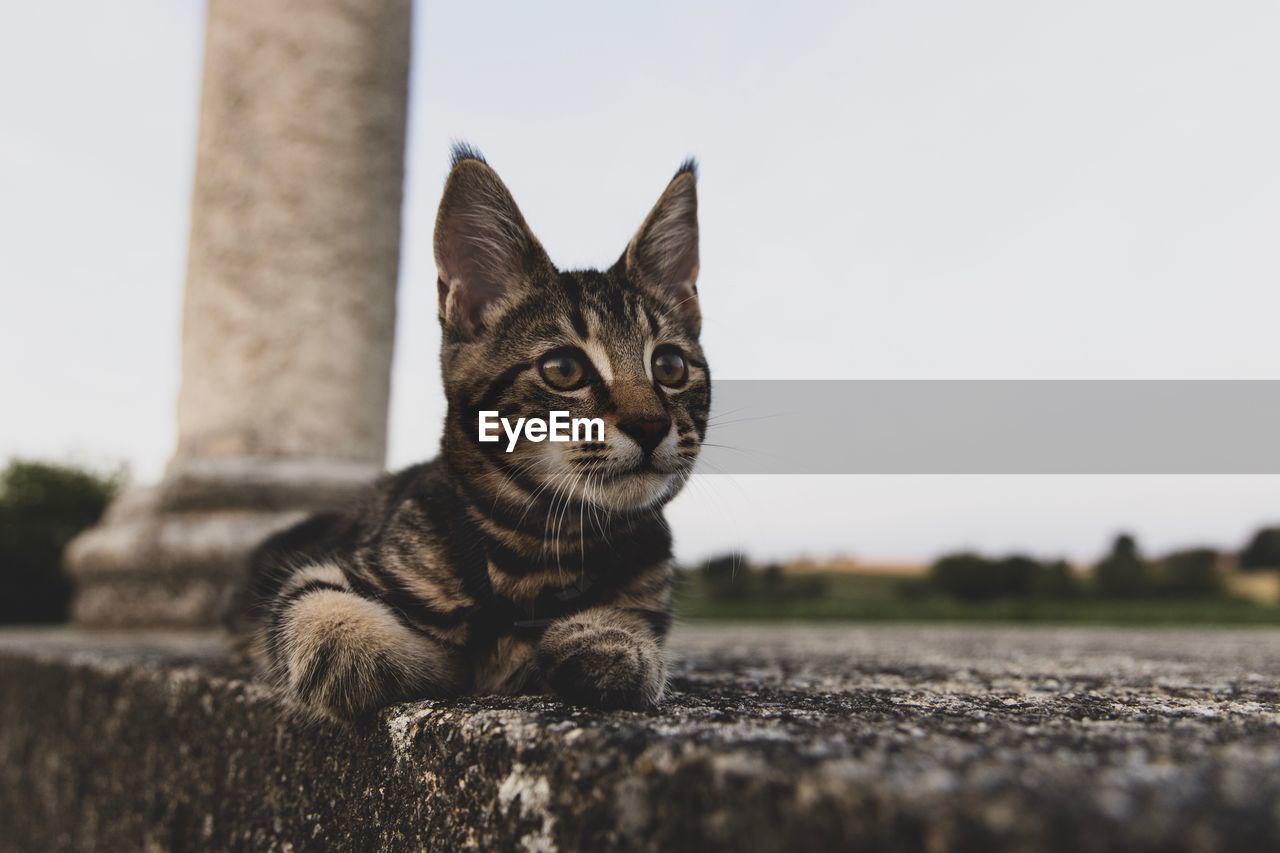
546	567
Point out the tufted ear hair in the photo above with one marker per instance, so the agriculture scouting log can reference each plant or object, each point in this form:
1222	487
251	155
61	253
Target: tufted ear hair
485	252
663	255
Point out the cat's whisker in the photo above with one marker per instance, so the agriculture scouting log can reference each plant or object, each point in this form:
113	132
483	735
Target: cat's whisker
509	480
559	553
719	423
582	524
752	453
533	499
547	528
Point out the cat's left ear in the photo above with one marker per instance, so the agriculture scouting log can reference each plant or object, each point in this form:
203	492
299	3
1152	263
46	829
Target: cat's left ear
485	253
663	255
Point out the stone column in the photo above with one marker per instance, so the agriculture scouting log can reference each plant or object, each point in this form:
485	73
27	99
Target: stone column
289	318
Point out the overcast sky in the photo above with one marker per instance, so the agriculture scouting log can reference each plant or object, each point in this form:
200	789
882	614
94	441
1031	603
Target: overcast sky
889	190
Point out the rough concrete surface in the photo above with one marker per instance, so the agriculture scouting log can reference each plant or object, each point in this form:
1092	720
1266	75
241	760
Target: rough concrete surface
896	738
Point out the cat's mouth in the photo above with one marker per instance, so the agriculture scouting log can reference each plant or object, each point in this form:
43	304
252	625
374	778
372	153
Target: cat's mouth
634	487
647	468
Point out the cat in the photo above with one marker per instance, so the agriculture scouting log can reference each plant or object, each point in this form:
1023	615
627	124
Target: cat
545	568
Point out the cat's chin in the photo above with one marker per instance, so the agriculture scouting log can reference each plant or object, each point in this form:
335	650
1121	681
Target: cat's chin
637	489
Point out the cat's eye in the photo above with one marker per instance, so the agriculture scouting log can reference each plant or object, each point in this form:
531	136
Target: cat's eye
564	370
669	366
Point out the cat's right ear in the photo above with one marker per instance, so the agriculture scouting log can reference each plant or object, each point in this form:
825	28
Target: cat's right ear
663	255
485	252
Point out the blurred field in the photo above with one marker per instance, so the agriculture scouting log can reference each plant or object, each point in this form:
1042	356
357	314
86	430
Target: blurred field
1262	587
840	565
859	596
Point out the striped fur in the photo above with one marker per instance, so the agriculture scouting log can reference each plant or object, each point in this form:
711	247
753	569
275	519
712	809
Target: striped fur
484	571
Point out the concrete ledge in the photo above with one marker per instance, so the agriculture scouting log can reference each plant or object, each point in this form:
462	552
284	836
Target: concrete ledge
774	738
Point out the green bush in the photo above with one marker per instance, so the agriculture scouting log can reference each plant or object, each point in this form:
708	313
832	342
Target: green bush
973	577
801	587
730	577
1122	573
914	589
42	507
773	577
1189	573
1263	550
963	576
726	576
1056	580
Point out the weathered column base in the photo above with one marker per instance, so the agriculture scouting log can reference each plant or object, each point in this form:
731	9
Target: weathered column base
170	554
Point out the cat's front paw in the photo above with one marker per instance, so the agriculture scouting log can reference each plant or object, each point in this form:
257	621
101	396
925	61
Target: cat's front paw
589	662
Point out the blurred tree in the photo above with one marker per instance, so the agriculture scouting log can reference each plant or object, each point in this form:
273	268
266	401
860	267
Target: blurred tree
1019	575
772	577
914	589
1056	580
726	575
964	576
805	586
1122	573
972	577
1263	550
42	507
1193	572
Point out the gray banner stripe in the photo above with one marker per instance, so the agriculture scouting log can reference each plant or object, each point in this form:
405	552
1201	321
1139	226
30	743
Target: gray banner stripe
993	427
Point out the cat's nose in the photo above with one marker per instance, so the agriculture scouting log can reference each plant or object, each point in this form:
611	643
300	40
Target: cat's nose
647	431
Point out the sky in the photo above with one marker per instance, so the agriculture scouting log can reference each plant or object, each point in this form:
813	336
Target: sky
987	190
